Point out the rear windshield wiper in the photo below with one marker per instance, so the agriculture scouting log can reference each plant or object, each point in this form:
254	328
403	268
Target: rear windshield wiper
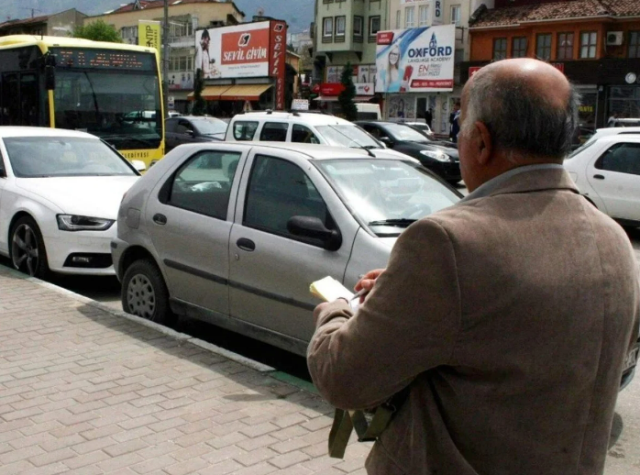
401	222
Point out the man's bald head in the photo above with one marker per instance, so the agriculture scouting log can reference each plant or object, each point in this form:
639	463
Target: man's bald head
528	107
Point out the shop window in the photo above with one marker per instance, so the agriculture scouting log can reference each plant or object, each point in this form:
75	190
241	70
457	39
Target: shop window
634	44
565	46
588	42
519	47
499	48
543	46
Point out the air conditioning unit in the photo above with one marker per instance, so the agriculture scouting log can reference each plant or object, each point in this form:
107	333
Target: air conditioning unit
615	38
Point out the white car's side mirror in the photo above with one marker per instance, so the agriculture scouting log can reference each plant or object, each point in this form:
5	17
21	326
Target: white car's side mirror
139	165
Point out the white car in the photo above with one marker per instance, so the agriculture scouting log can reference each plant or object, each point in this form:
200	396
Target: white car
607	171
59	196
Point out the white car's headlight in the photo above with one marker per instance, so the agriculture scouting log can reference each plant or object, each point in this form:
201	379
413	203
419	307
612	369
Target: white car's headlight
440	156
70	222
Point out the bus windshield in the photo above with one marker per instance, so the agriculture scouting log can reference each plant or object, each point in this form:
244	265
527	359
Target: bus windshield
122	107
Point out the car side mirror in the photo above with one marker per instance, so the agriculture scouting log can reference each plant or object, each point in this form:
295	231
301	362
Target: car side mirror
139	165
312	227
191	133
386	140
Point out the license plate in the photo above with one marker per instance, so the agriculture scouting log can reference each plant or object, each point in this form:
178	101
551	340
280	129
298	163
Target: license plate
632	359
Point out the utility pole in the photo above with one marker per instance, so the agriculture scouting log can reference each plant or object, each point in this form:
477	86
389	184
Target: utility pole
165	58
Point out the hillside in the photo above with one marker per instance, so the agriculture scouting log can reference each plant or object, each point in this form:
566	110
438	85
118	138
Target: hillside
297	13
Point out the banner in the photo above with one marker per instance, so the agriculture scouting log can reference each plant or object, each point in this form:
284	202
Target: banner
415	59
149	34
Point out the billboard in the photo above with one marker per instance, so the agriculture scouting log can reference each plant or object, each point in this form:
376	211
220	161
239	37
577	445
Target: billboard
278	60
415	59
149	34
238	51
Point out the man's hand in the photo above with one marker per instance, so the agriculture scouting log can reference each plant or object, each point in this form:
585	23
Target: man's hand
367	282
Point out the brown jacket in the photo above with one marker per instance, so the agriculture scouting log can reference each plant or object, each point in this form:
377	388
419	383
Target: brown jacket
510	316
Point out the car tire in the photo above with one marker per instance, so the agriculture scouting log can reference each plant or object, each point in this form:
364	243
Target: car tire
26	248
145	294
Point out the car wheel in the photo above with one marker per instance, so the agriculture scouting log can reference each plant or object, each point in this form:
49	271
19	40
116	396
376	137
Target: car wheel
145	294
27	249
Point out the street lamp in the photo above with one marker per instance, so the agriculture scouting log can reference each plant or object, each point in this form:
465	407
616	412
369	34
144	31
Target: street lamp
165	58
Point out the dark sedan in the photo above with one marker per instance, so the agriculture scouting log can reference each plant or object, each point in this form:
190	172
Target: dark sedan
193	129
438	157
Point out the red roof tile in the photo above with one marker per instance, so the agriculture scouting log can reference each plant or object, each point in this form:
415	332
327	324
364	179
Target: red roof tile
513	16
25	21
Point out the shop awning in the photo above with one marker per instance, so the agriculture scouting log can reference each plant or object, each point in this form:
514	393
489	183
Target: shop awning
244	92
211	93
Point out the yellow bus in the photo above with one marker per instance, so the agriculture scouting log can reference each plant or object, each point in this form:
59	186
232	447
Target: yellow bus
110	90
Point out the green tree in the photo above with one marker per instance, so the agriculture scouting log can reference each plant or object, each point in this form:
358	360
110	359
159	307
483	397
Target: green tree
199	104
98	31
346	97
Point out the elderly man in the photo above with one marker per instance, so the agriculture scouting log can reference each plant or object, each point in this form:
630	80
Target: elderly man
508	316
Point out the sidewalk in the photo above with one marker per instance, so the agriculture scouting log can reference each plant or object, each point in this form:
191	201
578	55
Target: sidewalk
87	391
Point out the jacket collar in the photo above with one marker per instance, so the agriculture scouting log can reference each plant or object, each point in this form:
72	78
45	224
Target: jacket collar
525	179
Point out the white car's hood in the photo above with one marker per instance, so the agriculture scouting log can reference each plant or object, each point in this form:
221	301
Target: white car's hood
95	196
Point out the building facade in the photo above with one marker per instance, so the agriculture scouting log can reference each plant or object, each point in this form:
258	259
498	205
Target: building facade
185	17
596	43
57	24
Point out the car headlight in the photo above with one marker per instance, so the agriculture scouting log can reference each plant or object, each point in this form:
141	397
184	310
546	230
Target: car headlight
440	156
71	222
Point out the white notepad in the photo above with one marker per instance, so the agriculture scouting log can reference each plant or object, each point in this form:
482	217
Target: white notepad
329	289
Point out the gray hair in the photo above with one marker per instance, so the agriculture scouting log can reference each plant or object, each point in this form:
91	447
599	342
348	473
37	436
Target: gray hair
519	118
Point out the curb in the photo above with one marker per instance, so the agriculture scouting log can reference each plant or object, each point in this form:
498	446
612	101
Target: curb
182	337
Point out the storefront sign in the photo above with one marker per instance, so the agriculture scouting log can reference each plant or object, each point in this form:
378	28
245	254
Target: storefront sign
181	81
364	89
437	12
331	88
278	60
415	60
473	70
300	105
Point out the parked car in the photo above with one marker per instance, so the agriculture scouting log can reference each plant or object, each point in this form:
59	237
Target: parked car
59	197
438	157
206	229
173	113
423	128
607	171
302	127
605	132
628	122
193	129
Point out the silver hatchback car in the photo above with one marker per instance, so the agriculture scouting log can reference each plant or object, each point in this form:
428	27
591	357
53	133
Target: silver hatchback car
234	233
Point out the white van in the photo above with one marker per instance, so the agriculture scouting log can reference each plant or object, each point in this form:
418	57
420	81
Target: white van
368	111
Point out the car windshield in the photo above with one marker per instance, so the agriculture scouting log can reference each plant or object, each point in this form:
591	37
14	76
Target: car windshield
404	132
210	126
347	136
387	195
39	157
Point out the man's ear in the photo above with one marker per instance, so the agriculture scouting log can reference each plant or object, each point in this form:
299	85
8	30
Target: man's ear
483	142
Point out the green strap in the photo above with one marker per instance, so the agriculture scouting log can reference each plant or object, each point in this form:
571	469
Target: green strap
340	433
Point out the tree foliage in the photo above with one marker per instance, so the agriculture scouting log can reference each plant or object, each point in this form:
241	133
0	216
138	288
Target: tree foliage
98	31
346	97
199	104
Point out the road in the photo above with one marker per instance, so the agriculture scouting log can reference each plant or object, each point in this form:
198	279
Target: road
624	454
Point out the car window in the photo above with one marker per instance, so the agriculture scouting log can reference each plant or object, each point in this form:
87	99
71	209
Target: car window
243	130
274	132
621	158
279	190
302	134
203	183
184	126
171	125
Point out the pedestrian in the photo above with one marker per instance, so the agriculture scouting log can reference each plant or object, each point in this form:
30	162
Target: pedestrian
428	116
507	317
612	120
454	120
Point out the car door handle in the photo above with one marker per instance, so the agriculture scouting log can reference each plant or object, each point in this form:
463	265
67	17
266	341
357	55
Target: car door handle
246	244
160	219
598	177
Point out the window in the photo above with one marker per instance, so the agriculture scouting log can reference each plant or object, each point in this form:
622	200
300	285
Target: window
565	46
398	19
341	22
184	127
455	14
327	27
588	42
374	25
129	34
279	190
499	48
409	17
357	25
203	184
519	47
634	44
274	132
244	130
301	134
543	46
423	15
621	158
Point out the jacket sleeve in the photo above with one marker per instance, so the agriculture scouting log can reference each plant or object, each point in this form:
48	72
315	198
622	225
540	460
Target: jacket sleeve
407	325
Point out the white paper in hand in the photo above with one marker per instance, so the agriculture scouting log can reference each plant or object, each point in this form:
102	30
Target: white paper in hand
329	289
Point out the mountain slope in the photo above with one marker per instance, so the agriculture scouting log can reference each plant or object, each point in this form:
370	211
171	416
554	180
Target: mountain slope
297	13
